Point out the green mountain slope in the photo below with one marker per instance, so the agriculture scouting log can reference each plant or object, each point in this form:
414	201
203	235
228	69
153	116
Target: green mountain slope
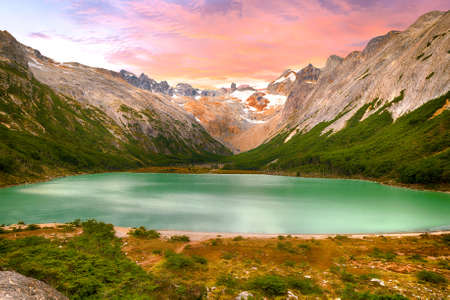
43	133
413	149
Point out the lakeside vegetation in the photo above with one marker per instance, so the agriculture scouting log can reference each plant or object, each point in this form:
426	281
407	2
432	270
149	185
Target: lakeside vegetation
412	150
85	260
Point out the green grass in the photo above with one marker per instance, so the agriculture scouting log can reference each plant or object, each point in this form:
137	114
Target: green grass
413	149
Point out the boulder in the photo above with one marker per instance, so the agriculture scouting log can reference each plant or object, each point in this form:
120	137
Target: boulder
15	286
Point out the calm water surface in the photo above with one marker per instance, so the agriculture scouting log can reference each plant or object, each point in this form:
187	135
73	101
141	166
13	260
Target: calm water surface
228	203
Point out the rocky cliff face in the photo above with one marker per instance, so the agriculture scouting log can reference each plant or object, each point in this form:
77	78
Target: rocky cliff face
399	71
146	116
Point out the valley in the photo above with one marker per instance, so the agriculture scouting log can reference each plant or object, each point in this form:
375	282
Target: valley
342	120
327	181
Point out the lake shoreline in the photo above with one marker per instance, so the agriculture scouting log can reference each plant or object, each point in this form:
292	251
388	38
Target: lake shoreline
204	170
199	236
200	170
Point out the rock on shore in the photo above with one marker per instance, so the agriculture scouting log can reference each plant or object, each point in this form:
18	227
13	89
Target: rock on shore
15	286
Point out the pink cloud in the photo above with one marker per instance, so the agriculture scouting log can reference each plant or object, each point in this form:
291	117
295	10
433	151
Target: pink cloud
39	35
212	39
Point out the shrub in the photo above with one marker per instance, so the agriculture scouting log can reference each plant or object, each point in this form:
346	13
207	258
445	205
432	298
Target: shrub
84	267
199	259
289	263
377	253
157	251
179	238
143	233
444	264
341	237
417	257
32	227
287	246
270	285
227	255
305	285
446	239
216	242
238	238
432	277
228	280
98	230
178	261
304	246
76	223
347	277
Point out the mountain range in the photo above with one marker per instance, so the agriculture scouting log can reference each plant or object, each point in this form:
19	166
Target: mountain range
380	113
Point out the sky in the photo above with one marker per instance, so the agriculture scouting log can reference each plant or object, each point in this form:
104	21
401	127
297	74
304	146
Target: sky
206	42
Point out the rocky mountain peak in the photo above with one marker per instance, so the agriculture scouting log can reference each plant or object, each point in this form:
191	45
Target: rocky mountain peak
309	72
332	62
185	89
374	44
429	17
146	83
12	50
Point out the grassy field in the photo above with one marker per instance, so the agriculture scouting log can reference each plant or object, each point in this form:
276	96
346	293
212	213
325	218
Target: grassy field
86	261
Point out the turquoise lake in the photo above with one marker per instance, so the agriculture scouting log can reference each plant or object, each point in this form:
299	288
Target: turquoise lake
228	203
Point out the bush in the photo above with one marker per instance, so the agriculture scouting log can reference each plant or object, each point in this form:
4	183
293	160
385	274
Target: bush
32	227
270	285
446	239
179	238
98	230
432	277
347	277
377	253
228	280
341	237
178	261
287	246
238	238
304	285
84	267
227	255
199	259
216	242
304	246
143	233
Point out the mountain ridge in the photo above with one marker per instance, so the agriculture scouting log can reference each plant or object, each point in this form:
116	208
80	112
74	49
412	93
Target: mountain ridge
58	119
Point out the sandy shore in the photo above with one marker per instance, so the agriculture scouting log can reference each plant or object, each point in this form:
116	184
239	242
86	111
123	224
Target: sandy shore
204	235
